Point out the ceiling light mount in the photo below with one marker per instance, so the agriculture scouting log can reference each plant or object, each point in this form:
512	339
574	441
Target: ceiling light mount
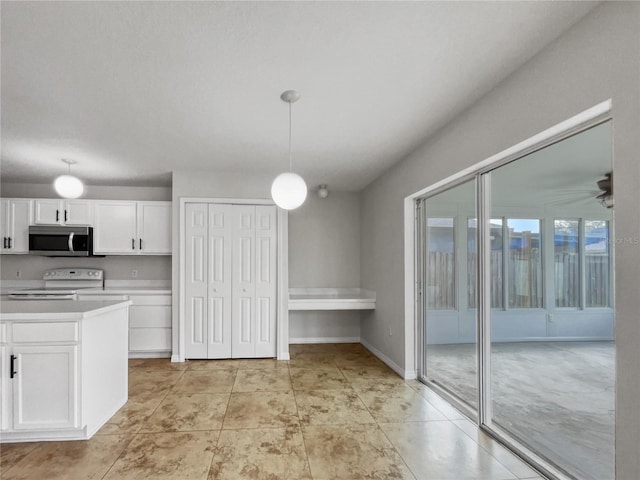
68	186
289	190
323	190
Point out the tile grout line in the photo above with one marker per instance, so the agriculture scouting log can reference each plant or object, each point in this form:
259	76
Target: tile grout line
304	440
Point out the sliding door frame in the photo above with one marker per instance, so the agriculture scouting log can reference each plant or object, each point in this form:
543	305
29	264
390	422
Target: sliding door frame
415	237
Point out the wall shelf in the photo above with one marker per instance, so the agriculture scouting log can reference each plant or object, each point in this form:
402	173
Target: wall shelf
331	299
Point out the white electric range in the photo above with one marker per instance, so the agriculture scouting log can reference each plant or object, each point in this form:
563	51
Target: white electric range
62	284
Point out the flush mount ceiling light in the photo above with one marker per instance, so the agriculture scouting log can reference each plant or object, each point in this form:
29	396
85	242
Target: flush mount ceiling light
288	190
323	191
68	186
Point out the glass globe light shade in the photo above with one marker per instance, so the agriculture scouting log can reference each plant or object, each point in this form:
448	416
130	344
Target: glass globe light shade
288	190
68	186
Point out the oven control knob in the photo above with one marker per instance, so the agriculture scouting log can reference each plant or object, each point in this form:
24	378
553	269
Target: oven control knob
47	274
90	274
53	274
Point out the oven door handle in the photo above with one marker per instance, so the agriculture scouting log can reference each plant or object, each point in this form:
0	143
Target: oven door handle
70	242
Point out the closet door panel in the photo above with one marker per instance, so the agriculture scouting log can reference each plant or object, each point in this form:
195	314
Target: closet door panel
196	281
219	270
244	284
266	238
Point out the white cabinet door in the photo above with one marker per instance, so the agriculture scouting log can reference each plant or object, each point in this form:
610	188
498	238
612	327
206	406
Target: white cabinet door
154	228
4	387
219	274
45	387
49	211
114	230
78	212
230	281
266	249
4	224
196	281
17	215
244	282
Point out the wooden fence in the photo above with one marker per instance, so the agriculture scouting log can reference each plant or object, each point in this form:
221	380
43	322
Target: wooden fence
524	271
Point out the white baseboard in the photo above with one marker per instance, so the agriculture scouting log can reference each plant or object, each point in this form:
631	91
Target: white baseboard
325	340
406	374
150	355
176	359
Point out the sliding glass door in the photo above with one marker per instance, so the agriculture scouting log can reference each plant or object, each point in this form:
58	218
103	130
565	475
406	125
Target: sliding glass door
533	276
450	292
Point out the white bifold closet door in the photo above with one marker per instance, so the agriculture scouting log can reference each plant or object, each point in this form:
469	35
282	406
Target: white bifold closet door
230	281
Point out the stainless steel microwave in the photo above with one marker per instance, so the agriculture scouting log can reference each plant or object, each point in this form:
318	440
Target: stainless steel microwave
59	241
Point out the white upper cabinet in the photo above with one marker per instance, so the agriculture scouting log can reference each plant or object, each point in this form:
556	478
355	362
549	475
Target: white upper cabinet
16	214
131	228
154	227
53	211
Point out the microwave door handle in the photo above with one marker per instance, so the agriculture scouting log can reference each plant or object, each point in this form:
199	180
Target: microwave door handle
70	243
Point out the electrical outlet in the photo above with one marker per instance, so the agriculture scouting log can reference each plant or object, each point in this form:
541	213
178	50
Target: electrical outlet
134	273
18	274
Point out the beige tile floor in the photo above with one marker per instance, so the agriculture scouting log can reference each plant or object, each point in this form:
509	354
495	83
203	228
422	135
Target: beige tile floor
332	412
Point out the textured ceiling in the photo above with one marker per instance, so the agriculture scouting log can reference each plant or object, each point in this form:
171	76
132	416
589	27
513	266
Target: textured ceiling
136	90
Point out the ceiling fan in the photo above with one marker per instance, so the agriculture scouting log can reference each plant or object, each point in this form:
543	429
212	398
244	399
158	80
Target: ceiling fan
606	190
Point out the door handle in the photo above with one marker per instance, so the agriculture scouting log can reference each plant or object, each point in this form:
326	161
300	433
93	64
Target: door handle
133	244
12	367
9	243
70	243
57	215
140	244
65	214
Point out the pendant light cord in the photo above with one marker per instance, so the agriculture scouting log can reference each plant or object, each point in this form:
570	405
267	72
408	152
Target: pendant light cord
290	156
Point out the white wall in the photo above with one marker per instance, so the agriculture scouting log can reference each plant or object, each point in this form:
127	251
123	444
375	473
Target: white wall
598	59
98	192
116	267
324	251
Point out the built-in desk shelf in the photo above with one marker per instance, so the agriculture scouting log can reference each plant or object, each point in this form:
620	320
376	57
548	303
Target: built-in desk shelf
331	299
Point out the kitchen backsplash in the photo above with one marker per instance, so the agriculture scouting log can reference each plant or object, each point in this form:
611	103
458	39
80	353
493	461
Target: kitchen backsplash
31	267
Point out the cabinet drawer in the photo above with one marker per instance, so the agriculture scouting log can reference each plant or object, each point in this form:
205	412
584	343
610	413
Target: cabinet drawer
45	332
150	299
149	339
149	316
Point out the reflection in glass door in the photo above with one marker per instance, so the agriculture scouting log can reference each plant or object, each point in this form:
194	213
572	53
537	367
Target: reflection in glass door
451	358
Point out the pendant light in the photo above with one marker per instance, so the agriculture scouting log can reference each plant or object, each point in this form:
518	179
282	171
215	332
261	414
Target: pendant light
288	190
68	186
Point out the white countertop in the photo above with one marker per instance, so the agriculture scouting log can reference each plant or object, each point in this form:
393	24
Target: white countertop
127	291
56	309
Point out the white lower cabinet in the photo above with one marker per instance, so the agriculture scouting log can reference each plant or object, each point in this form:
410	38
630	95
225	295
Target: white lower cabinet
62	376
149	321
45	387
150	324
40	377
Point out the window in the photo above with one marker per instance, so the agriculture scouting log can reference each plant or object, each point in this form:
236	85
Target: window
524	263
441	290
496	262
596	264
566	244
